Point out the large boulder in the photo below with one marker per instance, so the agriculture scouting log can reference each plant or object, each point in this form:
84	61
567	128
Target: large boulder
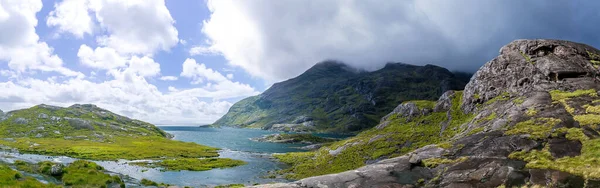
534	65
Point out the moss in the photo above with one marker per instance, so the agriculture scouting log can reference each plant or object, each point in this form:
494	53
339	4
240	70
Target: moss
434	162
576	134
502	97
476	130
586	165
193	164
445	145
488	118
399	137
558	95
592	109
147	182
588	119
87	174
531	112
24	166
519	100
527	58
539	128
476	96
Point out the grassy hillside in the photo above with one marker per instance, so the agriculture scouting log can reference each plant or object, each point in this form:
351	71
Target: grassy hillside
89	132
334	97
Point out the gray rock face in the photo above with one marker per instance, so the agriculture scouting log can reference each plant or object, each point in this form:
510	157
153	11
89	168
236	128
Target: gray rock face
533	65
445	102
21	121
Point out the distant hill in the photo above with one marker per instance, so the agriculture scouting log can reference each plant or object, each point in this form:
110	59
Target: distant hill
332	96
75	122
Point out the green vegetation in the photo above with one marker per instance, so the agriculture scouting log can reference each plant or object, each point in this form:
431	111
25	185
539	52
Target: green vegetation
558	95
563	96
120	148
527	58
587	164
539	128
147	182
328	91
423	104
531	112
519	100
594	59
294	138
502	97
353	152
193	164
588	119
434	162
576	134
89	132
88	174
12	178
476	130
488	118
231	186
592	109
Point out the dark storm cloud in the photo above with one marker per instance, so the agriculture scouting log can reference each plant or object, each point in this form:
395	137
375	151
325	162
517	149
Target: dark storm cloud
280	39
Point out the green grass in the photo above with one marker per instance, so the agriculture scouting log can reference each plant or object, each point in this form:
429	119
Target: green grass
476	130
88	174
193	164
121	148
502	97
539	128
420	131
12	178
423	104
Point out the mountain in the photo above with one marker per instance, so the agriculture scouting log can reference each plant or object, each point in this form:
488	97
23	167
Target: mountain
332	96
528	118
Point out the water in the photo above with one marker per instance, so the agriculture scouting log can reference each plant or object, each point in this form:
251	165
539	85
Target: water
234	143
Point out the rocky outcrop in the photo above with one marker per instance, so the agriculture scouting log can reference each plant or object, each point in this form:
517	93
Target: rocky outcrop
524	66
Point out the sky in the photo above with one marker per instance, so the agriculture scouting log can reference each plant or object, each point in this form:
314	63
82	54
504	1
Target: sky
185	62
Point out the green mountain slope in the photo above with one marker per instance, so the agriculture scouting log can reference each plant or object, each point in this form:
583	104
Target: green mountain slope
528	118
331	96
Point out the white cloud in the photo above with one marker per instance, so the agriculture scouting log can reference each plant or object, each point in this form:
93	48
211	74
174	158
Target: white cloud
203	50
133	26
215	81
136	26
19	43
281	39
71	16
135	98
230	76
100	58
199	72
144	66
168	78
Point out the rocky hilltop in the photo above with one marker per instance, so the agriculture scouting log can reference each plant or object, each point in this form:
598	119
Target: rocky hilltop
529	117
332	96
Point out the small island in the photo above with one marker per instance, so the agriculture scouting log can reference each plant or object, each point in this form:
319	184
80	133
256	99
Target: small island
290	138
